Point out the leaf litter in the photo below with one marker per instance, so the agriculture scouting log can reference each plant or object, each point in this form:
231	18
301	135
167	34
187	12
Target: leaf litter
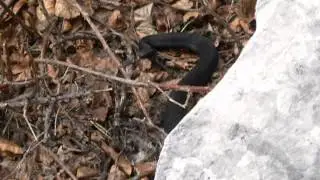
76	100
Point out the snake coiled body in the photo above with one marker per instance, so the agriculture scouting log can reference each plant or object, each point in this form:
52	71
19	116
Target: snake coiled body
200	75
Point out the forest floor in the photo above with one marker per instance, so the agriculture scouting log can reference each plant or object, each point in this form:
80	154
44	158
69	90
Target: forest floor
76	102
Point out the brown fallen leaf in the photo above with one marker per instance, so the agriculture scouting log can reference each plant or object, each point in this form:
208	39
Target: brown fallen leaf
143	13
50	6
183	4
166	17
246	13
9	148
41	21
44	157
144	29
146	168
213	4
85	57
144	65
120	160
65	9
97	136
161	76
66	25
84	172
28	18
52	72
100	113
235	25
116	174
142	16
20	64
18	5
116	21
247	9
189	15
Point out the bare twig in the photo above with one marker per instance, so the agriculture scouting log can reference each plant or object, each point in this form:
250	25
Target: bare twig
6	65
89	71
25	108
186	88
23	83
45	100
127	81
170	99
47	120
56	120
79	35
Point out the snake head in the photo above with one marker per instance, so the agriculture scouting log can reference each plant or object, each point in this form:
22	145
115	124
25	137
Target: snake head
145	50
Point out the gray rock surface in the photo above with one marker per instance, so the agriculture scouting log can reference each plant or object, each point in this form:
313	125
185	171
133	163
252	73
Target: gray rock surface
262	121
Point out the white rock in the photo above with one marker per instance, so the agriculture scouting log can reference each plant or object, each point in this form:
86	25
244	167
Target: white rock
262	121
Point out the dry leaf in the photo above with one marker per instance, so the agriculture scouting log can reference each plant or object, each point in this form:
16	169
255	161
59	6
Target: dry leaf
97	136
236	49
44	157
84	172
85	57
21	67
66	25
40	15
192	14
144	95
144	65
143	13
28	19
247	9
103	64
183	4
245	26
116	174
116	20
100	113
120	160
163	75
8	147
146	168
166	17
50	6
213	4
235	25
41	22
145	29
52	72
65	9
17	6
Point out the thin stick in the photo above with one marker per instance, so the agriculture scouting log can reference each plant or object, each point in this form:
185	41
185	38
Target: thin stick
44	100
126	81
47	120
89	71
25	116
